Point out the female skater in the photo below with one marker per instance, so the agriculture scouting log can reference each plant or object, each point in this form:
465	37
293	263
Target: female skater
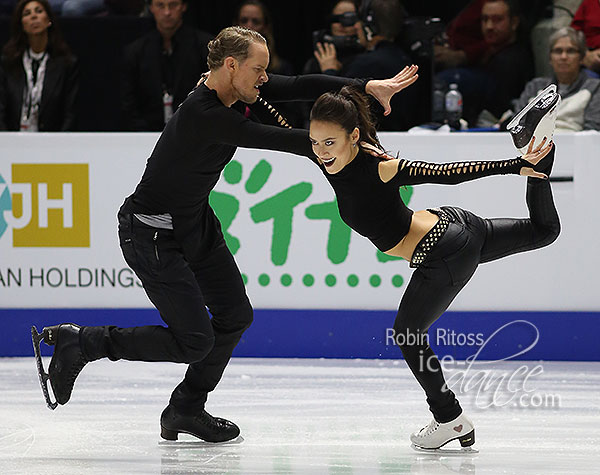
444	245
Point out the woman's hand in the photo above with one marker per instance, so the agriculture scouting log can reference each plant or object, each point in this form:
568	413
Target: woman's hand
384	89
203	78
534	156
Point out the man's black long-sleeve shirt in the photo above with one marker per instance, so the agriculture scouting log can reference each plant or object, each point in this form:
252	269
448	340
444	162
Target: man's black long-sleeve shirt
201	139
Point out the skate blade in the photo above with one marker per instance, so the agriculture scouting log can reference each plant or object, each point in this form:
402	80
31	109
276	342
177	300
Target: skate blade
199	443
36	339
445	451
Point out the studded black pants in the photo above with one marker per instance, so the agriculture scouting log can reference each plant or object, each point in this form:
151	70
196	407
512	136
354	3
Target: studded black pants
468	241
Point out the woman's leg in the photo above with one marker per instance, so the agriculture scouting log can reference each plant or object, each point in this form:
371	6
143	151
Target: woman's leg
432	288
505	236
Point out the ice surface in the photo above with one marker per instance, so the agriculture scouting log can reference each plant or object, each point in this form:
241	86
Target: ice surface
301	416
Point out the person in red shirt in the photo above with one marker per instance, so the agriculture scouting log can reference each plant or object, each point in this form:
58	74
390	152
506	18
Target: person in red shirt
465	41
587	19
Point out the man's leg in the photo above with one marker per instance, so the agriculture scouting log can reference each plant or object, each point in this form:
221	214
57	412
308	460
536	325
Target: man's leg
224	292
171	286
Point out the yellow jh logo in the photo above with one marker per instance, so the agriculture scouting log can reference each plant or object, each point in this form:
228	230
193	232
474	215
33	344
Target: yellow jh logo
50	205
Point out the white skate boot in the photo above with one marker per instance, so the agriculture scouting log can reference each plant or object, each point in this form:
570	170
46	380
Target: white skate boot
536	119
435	435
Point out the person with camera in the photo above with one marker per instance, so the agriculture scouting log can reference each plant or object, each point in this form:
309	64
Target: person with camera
383	21
336	47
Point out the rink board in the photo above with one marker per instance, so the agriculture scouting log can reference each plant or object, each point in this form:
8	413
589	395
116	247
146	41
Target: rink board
568	336
320	289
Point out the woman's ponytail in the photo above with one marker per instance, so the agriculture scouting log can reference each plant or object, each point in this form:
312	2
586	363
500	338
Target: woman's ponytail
366	122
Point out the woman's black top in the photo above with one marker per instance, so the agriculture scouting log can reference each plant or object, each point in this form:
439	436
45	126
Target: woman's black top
374	208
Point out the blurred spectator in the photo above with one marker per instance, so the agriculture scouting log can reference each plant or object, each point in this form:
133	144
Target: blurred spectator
346	31
587	20
384	58
254	15
465	43
580	105
161	68
39	75
501	71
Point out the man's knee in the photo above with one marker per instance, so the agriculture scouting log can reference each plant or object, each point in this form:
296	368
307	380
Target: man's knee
195	347
233	319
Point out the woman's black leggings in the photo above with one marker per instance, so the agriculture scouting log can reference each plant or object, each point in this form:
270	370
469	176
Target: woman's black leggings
468	241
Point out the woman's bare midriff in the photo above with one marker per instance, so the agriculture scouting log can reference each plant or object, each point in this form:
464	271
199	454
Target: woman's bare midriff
421	224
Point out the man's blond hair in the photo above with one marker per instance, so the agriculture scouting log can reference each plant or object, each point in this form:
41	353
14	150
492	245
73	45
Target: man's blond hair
232	41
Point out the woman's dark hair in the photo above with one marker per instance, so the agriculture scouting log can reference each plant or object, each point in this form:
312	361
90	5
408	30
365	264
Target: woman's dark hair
18	41
348	108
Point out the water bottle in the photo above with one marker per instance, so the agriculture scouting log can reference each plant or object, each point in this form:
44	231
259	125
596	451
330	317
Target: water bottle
453	107
438	112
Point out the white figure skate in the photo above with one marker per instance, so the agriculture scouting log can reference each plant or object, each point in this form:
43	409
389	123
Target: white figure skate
435	435
536	119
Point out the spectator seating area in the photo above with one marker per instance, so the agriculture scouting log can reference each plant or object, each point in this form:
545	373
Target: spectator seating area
97	42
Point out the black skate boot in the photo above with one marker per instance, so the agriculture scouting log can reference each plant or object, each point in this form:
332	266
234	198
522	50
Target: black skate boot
66	363
201	425
536	119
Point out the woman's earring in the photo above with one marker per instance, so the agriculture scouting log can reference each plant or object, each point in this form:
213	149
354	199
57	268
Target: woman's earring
354	144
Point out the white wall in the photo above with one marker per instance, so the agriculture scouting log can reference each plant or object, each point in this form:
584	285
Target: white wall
560	277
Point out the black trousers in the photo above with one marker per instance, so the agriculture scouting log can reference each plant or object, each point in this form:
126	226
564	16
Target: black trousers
468	241
181	287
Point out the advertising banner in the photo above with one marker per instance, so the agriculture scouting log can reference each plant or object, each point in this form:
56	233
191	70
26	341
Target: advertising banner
59	195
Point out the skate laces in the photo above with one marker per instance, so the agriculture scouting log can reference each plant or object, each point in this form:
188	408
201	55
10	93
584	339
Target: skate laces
429	428
213	422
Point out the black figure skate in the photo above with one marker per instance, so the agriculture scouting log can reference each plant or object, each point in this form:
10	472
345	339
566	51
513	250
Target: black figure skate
66	363
536	119
201	425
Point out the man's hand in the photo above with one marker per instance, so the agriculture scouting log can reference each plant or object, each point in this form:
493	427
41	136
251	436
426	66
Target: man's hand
327	57
384	89
592	60
447	57
376	152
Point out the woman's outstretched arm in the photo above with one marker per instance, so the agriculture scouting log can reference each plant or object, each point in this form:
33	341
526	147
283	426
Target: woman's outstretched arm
409	172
